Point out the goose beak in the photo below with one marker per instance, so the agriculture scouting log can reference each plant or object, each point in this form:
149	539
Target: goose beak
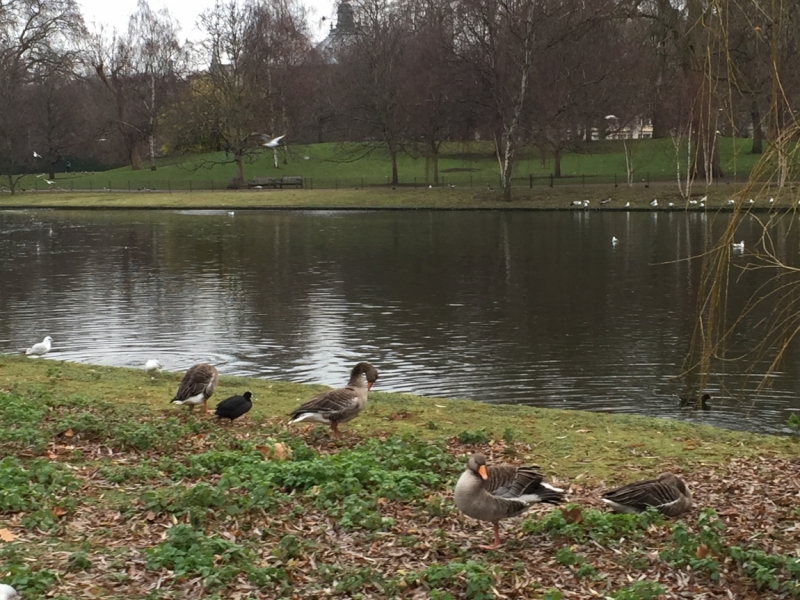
369	385
482	472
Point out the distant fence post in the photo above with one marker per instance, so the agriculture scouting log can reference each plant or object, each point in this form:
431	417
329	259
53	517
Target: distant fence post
530	180
551	180
615	180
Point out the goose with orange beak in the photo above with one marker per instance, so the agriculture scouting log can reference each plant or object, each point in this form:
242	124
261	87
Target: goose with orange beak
339	405
492	493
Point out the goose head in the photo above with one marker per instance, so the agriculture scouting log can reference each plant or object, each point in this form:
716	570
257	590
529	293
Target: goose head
367	370
477	465
675	481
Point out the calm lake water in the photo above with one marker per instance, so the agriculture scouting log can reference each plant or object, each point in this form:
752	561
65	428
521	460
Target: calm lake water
506	307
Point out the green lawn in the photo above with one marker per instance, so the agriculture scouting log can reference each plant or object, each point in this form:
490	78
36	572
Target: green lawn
468	164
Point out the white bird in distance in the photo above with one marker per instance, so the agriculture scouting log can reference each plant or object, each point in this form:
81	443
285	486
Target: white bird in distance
36	154
270	142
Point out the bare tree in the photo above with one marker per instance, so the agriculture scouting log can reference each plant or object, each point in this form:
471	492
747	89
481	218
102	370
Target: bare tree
371	70
112	59
158	58
33	35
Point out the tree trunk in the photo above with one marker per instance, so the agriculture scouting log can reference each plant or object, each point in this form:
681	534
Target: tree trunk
435	162
136	159
393	155
11	184
237	157
758	132
557	163
152	122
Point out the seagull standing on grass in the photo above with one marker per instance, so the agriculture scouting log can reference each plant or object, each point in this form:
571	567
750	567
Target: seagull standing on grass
7	592
654	202
41	348
152	366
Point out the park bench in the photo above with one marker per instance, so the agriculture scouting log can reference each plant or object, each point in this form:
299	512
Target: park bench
276	182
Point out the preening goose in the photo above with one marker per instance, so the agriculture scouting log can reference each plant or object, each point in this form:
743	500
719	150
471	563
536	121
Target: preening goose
197	386
234	407
492	493
339	405
668	494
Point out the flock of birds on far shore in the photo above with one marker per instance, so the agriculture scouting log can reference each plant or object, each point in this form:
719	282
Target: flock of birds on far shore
484	492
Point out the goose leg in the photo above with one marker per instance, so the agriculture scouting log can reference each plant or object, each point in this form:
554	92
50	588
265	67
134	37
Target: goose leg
205	406
335	428
496	527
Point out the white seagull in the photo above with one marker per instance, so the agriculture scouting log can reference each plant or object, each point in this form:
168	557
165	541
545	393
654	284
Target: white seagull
36	154
654	202
270	142
627	205
614	240
41	348
7	592
738	246
729	202
153	366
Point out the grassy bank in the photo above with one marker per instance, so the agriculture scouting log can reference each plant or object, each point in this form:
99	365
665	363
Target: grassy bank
561	198
354	165
107	491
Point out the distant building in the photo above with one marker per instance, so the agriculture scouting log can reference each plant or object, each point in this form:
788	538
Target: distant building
345	28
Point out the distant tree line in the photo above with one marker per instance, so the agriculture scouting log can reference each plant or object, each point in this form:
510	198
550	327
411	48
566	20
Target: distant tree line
404	76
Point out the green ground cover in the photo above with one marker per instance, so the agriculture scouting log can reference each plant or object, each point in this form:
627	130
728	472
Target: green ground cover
107	491
468	164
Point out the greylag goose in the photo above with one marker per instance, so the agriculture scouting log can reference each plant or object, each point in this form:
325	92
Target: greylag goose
339	405
41	348
234	407
668	494
500	491
197	386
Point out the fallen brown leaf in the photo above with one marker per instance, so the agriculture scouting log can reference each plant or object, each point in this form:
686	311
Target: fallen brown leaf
7	536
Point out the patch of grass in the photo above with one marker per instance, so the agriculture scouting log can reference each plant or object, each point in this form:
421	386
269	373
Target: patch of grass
568	558
698	551
189	552
479	436
639	590
465	164
470	579
37	487
605	528
557	434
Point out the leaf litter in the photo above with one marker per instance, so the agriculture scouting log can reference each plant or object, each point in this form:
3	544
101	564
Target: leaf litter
123	523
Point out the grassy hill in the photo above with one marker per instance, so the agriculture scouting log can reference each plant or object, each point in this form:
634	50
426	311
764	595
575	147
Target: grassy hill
350	166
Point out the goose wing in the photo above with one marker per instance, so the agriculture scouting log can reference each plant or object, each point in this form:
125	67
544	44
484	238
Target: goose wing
199	379
640	495
333	404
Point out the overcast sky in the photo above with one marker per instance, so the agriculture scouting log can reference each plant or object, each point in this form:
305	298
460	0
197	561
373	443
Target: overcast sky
115	13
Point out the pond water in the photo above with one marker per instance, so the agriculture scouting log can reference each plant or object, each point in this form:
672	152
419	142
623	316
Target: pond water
502	306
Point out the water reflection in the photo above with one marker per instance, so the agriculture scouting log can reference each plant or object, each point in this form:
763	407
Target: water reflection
539	308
